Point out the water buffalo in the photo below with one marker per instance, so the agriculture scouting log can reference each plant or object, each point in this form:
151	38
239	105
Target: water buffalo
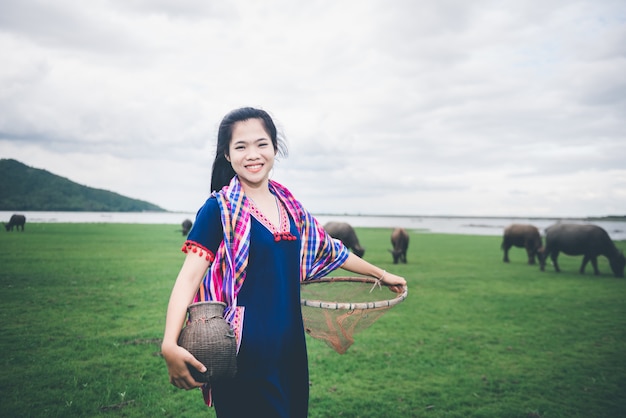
523	236
16	221
587	240
187	224
400	243
344	232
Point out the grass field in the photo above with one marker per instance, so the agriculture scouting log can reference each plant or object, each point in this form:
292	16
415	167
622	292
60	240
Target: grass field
82	310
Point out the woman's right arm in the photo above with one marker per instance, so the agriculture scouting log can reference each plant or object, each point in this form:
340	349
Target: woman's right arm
187	283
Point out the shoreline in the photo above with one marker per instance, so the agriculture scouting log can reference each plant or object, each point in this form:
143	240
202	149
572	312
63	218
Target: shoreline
464	225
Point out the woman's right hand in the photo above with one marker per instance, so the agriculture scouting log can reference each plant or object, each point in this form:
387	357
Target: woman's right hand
177	359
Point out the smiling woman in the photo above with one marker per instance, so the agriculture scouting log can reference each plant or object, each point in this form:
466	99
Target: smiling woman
251	245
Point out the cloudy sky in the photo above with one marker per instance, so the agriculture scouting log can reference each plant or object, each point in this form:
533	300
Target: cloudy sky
436	107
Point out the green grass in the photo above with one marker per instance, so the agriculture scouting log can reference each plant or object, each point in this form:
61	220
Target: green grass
82	309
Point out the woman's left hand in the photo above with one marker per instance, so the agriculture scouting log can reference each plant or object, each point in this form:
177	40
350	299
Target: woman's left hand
394	282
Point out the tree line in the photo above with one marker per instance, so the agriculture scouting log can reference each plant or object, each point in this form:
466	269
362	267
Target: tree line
27	188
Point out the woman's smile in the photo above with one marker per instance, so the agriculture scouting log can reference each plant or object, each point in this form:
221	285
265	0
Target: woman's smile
255	167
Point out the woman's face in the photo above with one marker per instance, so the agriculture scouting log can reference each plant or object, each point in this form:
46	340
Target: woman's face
251	152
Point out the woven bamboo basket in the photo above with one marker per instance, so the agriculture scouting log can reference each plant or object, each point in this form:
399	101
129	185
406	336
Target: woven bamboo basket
211	340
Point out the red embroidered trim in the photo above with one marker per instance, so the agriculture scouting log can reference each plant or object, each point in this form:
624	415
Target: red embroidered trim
280	233
194	247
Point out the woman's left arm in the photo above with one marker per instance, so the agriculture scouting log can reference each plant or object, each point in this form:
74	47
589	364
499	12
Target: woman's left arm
358	265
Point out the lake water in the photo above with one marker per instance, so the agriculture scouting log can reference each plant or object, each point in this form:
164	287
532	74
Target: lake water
446	225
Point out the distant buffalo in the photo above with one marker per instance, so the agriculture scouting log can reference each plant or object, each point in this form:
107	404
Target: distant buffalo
590	241
187	224
345	233
523	236
400	243
17	221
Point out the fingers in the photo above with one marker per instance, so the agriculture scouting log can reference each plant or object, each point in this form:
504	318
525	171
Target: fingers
195	363
395	282
183	378
397	288
185	383
178	359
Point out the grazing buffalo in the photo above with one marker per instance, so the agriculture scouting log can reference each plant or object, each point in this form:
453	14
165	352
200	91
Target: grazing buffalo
400	243
16	221
590	241
187	224
345	233
523	236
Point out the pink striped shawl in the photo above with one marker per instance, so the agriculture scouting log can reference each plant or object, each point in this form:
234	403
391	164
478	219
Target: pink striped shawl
320	254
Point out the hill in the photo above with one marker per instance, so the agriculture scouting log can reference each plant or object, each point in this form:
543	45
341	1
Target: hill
27	188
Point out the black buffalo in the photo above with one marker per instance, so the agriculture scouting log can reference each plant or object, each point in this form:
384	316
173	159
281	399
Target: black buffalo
400	243
17	221
523	236
187	224
345	233
590	241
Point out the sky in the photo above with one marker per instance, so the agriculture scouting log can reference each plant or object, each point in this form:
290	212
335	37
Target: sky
435	107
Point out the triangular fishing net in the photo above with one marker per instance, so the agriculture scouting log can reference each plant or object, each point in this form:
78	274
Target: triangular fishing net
336	308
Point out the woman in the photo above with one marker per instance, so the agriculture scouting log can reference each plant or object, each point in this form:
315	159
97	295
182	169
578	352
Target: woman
257	242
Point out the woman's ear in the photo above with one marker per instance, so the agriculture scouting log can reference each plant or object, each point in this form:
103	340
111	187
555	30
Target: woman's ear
227	157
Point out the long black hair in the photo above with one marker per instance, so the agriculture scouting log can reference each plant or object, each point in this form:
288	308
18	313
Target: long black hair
222	172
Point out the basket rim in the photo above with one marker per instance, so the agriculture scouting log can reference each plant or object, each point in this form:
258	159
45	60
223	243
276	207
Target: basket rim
207	302
348	305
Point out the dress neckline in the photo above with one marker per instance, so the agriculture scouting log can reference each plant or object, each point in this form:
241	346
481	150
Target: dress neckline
280	232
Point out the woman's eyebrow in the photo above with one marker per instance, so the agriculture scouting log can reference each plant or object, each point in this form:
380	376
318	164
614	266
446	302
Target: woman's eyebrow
245	141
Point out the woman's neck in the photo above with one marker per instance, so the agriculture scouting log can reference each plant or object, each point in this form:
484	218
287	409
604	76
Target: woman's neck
258	192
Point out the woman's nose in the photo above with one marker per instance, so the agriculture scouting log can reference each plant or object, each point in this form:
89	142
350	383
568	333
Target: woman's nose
252	154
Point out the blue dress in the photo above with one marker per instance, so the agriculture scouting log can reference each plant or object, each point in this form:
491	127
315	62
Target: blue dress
272	368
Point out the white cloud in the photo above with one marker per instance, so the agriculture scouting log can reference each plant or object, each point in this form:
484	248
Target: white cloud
440	107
